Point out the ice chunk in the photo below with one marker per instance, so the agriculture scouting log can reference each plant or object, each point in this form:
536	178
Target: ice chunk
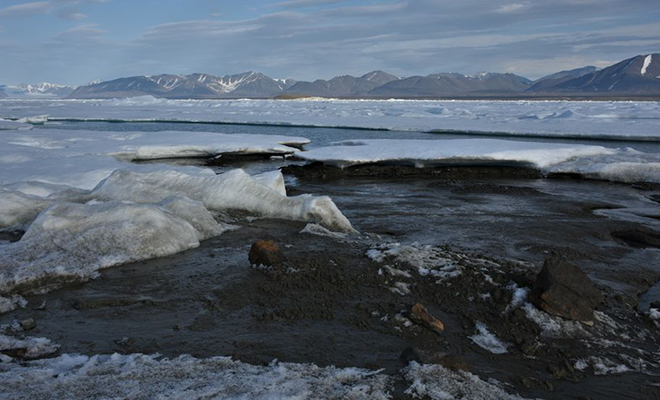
273	180
71	241
18	209
233	190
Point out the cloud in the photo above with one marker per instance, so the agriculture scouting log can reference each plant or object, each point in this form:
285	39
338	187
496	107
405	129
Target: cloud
26	9
307	3
32	9
72	16
512	8
307	39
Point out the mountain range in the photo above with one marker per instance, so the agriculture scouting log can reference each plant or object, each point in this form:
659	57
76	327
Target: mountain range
39	90
637	76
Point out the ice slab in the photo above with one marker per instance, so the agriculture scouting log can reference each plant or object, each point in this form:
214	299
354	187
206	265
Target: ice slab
615	164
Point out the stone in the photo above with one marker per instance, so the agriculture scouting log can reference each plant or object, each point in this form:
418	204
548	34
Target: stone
564	290
265	252
421	316
28	324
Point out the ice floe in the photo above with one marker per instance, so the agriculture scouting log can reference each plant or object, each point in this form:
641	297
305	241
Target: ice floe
592	119
624	165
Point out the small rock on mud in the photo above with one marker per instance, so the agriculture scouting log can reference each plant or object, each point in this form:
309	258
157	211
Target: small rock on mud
420	315
265	252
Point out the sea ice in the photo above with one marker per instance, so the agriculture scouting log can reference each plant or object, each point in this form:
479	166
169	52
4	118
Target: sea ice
591	119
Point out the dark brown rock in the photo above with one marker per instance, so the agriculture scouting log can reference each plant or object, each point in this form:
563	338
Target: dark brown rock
564	290
265	252
421	316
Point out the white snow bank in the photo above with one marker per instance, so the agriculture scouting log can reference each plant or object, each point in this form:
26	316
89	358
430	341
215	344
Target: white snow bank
487	341
185	377
438	382
595	119
625	165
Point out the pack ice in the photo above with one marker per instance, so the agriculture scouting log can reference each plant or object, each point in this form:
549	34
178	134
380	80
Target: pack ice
83	208
593	119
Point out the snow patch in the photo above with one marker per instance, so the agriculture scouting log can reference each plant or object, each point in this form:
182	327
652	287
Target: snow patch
145	376
487	341
647	62
11	303
438	382
427	260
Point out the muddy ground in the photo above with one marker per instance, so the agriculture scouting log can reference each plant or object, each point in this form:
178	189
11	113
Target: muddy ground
331	304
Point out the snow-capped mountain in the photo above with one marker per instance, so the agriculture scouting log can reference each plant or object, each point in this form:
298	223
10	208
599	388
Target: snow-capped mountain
248	85
343	86
637	75
43	89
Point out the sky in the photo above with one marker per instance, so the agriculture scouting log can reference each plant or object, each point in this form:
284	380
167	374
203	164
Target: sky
78	41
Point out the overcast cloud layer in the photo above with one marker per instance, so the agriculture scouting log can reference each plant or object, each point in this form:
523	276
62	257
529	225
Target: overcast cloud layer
76	41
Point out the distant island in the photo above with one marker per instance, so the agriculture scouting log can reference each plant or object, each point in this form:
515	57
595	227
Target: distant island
637	77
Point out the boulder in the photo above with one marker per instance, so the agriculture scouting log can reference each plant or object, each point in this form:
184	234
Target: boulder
564	290
265	252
